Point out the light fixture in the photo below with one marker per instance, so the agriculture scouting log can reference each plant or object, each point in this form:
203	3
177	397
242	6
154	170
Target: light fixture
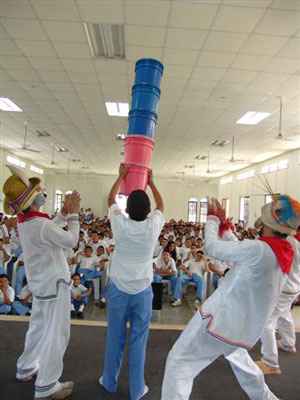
252	117
120	136
189	166
61	149
117	109
76	160
105	40
7	105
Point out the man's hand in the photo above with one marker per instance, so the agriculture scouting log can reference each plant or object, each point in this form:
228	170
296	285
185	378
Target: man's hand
74	205
123	171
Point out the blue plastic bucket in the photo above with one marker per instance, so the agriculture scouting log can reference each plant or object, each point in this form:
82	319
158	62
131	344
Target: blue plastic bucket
148	71
141	122
145	97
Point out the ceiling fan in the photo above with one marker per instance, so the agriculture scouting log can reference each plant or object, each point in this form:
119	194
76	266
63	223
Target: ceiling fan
25	147
233	159
208	170
280	135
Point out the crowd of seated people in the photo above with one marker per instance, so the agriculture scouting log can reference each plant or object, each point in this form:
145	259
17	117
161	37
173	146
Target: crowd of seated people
178	258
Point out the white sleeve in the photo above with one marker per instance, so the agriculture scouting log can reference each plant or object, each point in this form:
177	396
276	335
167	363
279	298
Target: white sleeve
60	221
11	294
157	220
54	236
116	219
173	265
223	250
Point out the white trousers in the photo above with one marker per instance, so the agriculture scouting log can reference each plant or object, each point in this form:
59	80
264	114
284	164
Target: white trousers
283	320
195	350
46	342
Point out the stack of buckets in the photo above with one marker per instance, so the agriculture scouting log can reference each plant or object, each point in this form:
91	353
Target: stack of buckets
142	119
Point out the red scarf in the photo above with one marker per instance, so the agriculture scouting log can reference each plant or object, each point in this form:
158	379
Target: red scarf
283	251
31	214
297	236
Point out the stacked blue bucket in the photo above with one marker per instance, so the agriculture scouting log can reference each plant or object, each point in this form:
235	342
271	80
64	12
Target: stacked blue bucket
145	96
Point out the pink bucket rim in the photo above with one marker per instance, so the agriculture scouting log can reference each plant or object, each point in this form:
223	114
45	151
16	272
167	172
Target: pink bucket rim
137	165
140	137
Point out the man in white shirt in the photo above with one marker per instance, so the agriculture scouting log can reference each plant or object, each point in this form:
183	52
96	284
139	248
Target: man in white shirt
130	295
194	270
165	268
48	276
184	250
232	319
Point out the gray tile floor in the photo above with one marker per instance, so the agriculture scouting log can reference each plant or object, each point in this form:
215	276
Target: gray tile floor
168	315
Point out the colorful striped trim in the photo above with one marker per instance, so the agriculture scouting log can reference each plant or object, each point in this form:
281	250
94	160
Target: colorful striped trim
43	389
291	293
270	362
21	371
210	317
49	297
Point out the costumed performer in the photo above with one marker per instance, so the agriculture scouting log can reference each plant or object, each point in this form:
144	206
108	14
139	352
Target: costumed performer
232	319
43	242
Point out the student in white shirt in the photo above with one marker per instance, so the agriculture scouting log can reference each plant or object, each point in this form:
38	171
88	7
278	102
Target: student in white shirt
79	297
48	276
7	295
193	272
24	304
130	296
5	256
165	268
184	250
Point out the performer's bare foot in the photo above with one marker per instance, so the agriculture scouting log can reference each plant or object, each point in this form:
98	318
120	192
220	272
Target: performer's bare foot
266	369
280	347
65	390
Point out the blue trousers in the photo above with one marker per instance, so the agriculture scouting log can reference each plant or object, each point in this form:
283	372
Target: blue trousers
184	280
158	278
137	309
88	274
5	309
20	279
216	278
76	303
21	309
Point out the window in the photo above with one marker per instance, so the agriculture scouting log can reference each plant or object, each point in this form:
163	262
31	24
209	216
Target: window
203	210
58	200
36	169
268	199
226	180
283	164
246	175
226	206
244	209
192	210
15	161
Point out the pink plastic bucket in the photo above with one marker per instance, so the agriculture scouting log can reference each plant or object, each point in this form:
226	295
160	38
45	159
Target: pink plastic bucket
138	150
136	179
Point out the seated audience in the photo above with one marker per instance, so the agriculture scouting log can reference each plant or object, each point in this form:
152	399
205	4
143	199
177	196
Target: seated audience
79	297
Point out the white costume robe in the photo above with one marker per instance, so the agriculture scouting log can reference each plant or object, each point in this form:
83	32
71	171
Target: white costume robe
230	320
48	276
282	315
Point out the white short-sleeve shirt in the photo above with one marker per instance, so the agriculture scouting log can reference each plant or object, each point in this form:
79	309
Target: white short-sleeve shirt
88	262
10	295
195	267
160	264
132	262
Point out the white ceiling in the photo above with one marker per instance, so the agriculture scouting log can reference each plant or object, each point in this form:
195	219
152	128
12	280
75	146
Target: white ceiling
222	58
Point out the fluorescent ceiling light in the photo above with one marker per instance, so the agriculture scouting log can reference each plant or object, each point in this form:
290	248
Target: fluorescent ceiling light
120	136
43	133
37	170
7	105
105	40
252	117
203	157
117	109
61	149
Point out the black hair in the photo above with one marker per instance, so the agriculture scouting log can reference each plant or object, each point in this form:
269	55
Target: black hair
138	205
200	252
75	275
81	233
4	276
100	247
88	247
95	232
166	251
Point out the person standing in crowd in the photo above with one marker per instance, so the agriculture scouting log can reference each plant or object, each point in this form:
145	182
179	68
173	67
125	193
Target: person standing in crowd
130	295
48	276
232	319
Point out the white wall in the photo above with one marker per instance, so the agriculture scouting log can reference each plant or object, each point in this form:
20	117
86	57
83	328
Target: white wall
5	172
94	192
286	181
